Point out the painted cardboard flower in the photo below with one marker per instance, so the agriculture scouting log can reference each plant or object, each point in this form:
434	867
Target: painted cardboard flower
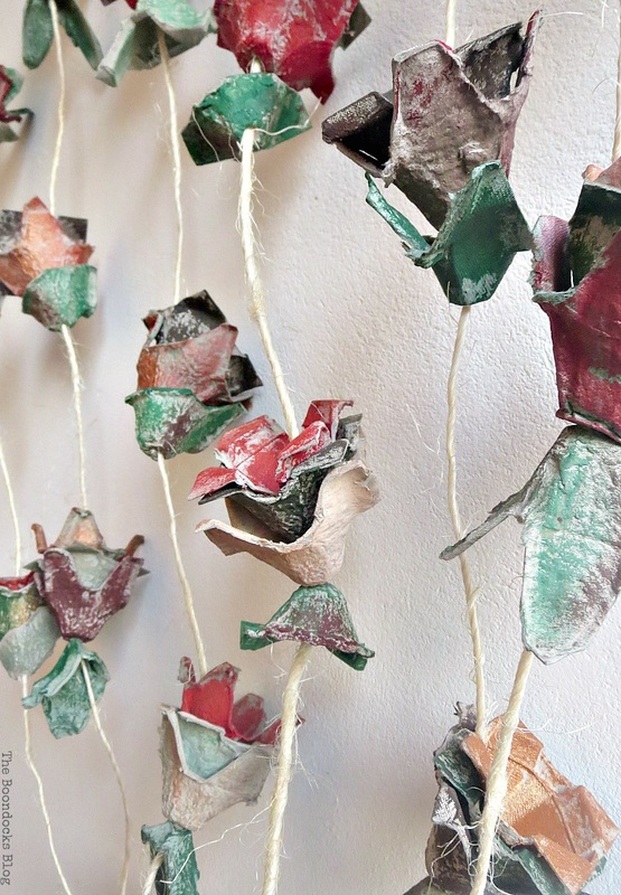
43	260
256	100
136	46
577	282
571	512
290	502
178	873
316	615
449	112
63	692
477	241
28	630
38	32
215	751
296	41
552	837
10	85
81	580
192	379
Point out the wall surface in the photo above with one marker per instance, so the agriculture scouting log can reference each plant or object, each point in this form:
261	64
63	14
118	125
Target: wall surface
351	317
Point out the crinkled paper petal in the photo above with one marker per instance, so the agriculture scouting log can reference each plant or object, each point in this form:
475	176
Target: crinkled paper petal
61	296
24	649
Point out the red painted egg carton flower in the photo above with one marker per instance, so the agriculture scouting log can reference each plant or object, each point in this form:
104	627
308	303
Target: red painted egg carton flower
215	750
290	501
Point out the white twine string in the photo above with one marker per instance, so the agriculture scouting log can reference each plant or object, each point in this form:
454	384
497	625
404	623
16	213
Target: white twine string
117	773
616	147
451	22
470	589
61	105
253	276
497	780
278	805
11	496
183	578
174	144
42	801
154	866
77	385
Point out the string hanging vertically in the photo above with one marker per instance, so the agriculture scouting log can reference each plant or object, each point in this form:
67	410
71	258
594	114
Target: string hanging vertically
41	791
13	510
77	386
183	578
61	105
253	276
497	781
470	590
291	696
154	866
616	143
117	773
188	597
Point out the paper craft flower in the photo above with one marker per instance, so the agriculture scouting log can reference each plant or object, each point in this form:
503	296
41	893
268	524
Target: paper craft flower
192	379
316	615
577	282
215	752
260	101
295	41
449	112
552	837
136	46
38	32
178	873
10	85
63	692
28	630
290	502
571	512
43	259
81	580
476	243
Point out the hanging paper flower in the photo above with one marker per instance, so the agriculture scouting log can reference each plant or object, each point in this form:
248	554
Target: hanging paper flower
316	615
552	837
43	259
38	31
28	630
136	46
295	41
476	243
571	511
450	111
63	692
260	101
192	379
82	580
10	85
577	282
215	752
178	873
290	501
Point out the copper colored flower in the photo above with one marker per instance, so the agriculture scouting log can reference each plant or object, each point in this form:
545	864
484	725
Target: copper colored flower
82	580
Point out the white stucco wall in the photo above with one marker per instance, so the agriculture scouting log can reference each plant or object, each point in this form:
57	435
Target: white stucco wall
351	317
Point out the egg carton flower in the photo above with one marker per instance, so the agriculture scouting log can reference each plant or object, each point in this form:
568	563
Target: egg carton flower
215	751
316	615
577	282
38	31
63	693
173	846
43	260
192	380
449	112
28	629
295	41
290	501
552	836
10	85
83	581
137	47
